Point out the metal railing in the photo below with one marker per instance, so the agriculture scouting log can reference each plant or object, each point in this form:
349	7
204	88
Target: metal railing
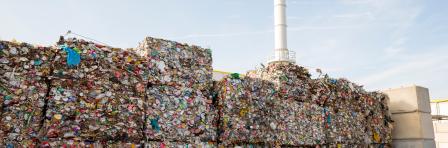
291	57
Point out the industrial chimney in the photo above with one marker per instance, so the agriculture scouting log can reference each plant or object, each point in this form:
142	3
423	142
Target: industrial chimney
281	54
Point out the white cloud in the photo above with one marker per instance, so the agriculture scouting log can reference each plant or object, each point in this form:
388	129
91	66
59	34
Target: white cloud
415	64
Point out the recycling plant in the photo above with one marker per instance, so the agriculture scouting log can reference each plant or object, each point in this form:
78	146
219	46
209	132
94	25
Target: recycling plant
161	94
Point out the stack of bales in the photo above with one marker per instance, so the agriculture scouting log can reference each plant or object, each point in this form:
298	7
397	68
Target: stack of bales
296	110
161	93
81	93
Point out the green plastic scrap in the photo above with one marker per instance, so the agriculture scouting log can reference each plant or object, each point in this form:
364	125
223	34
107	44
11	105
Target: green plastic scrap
209	51
77	50
60	90
235	76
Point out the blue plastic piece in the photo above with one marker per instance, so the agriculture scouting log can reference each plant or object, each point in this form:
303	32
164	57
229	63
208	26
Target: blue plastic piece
155	124
73	57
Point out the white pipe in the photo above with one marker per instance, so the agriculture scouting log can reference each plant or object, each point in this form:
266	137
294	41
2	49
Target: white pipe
281	49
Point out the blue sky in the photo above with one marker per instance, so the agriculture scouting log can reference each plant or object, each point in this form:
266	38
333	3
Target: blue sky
377	43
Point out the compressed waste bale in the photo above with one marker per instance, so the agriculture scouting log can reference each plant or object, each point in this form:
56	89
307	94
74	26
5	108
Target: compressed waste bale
103	95
243	118
252	111
23	89
180	106
294	110
252	106
294	87
130	75
344	111
123	110
350	107
341	117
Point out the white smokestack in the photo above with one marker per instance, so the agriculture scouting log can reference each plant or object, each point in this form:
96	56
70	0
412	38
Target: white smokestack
280	24
281	50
